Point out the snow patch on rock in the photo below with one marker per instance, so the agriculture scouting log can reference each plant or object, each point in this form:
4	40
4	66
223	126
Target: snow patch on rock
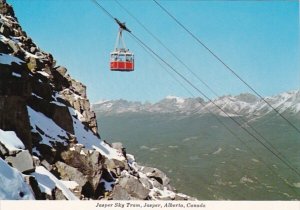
13	186
51	132
9	59
11	141
47	182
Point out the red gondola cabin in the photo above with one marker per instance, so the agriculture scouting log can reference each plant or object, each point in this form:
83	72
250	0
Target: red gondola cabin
121	60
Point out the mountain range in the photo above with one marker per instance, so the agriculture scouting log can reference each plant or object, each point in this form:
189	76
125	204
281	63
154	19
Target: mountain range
245	104
199	153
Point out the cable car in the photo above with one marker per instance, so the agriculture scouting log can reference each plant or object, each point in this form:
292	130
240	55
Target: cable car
121	59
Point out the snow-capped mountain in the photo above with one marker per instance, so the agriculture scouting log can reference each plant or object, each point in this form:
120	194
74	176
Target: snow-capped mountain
241	105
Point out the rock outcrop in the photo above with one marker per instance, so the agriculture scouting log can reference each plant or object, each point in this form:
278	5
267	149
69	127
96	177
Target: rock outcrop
49	137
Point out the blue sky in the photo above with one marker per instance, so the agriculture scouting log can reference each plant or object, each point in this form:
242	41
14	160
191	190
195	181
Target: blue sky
259	40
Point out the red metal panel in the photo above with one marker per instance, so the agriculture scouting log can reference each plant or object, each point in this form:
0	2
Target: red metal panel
129	65
121	66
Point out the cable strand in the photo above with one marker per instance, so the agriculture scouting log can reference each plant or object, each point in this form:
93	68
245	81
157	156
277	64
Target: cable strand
199	91
227	66
194	74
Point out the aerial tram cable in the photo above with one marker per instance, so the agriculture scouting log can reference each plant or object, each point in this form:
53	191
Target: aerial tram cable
103	9
176	79
121	59
162	44
199	91
179	74
226	127
194	74
222	123
274	172
220	108
227	67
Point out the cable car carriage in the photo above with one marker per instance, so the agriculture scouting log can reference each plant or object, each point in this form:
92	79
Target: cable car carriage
121	59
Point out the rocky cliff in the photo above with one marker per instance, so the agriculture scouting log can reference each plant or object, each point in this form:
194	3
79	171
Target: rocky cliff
49	142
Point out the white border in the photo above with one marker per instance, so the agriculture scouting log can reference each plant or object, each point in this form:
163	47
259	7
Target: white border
117	205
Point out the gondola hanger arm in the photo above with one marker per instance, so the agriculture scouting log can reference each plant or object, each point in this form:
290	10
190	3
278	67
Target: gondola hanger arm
122	25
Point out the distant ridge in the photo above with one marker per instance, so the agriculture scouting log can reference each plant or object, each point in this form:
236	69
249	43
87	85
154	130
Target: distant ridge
244	104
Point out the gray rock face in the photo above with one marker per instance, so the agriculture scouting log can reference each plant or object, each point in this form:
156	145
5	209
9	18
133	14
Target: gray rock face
115	166
157	174
81	104
58	195
6	9
4	29
36	83
119	193
22	161
156	184
89	165
16	117
14	46
59	114
134	187
79	88
146	183
62	70
67	172
39	82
